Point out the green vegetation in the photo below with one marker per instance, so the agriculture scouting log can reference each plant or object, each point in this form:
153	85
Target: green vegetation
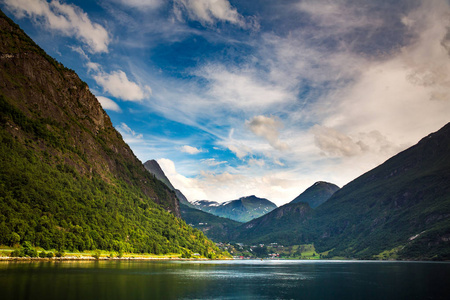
216	228
316	194
284	225
51	205
68	182
274	250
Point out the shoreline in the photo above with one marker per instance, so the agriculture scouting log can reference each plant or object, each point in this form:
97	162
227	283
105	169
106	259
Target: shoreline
143	258
91	258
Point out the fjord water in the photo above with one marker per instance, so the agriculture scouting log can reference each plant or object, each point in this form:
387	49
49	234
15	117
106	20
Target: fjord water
224	280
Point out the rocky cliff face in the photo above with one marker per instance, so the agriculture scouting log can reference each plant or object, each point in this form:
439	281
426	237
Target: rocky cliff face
73	126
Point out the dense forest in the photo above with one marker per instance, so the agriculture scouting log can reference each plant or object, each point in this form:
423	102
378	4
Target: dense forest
45	201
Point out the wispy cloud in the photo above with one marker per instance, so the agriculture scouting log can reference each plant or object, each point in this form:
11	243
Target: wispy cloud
355	110
141	4
129	135
339	15
242	88
212	162
67	19
338	86
118	85
210	12
190	150
108	104
268	128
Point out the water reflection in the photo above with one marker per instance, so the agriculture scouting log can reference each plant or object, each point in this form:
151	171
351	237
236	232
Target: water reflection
223	280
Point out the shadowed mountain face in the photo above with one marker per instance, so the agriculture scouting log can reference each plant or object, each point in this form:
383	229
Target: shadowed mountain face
67	178
316	194
401	209
153	167
403	203
282	225
241	210
57	107
216	228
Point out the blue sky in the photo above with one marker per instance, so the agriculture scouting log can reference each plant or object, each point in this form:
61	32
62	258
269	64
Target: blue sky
235	98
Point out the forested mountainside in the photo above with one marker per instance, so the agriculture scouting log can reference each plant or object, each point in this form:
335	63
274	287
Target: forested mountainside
67	178
400	209
216	228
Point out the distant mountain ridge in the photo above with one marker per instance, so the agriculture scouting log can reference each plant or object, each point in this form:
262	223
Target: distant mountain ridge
400	209
317	194
243	209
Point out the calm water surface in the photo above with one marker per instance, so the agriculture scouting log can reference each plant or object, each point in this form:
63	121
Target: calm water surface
224	280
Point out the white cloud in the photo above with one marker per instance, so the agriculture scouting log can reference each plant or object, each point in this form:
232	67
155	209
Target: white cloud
366	109
108	104
267	127
129	135
224	186
212	162
118	85
92	66
406	96
69	20
256	162
141	4
190	187
190	150
337	15
335	143
209	12
243	89
241	151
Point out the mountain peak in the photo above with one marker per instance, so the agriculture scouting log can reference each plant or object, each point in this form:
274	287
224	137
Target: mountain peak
243	209
153	167
317	194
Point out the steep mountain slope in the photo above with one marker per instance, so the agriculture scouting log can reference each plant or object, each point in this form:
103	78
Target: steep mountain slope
153	167
283	225
67	179
316	194
403	203
401	209
241	210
